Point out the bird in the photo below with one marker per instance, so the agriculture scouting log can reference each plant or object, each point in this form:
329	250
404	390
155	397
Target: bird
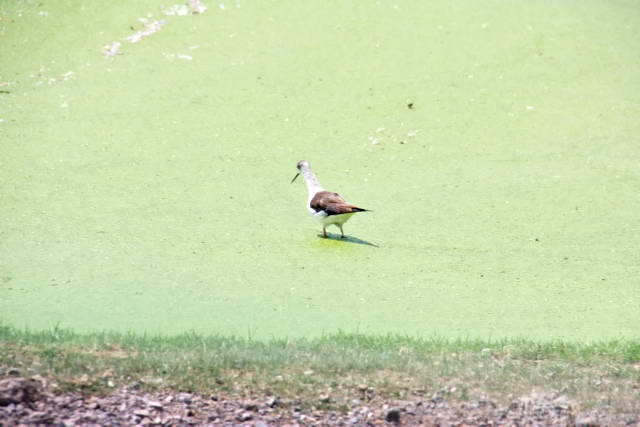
325	206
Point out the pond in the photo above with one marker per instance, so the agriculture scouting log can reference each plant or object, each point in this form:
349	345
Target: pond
146	186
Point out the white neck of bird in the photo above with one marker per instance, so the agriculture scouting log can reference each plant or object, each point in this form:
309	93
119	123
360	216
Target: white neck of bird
313	186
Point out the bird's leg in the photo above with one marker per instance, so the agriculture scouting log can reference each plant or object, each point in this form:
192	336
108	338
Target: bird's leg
324	232
341	232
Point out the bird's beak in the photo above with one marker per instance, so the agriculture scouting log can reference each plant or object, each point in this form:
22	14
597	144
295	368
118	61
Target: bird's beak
294	178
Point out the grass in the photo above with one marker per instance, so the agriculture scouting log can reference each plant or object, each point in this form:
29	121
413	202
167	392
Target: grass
343	366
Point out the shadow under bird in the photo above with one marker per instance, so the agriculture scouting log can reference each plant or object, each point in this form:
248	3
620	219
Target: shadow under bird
327	207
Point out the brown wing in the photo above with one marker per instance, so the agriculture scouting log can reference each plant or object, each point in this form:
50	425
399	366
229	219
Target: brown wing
332	204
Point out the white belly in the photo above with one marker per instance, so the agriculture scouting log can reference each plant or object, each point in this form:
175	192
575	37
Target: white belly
331	219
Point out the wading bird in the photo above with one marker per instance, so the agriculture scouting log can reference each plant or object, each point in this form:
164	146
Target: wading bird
325	206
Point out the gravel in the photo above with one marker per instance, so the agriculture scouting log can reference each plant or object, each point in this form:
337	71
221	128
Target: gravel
35	401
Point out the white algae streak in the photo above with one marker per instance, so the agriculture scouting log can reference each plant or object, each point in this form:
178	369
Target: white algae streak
150	28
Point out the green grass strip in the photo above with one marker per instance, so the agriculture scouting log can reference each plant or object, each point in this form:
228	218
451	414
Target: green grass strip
393	365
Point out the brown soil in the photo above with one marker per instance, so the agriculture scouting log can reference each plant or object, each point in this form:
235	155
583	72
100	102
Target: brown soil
32	401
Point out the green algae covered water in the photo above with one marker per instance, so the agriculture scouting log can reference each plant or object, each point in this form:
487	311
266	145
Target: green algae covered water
146	186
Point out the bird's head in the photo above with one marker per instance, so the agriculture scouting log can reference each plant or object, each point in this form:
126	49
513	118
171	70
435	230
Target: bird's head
302	164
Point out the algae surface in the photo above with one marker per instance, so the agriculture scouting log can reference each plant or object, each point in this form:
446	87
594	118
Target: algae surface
496	142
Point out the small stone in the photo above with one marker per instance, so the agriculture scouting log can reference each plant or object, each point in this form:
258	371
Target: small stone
251	406
325	398
142	413
393	416
244	416
272	402
40	417
19	390
184	398
155	404
587	422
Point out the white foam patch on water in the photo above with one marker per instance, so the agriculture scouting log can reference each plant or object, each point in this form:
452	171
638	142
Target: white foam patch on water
195	7
112	49
176	9
172	56
149	29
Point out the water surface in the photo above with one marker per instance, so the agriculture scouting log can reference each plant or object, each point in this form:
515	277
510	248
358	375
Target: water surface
496	142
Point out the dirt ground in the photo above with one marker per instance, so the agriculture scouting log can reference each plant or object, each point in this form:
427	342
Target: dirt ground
33	401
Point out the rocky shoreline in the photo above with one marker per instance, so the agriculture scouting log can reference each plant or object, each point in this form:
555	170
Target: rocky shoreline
31	401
